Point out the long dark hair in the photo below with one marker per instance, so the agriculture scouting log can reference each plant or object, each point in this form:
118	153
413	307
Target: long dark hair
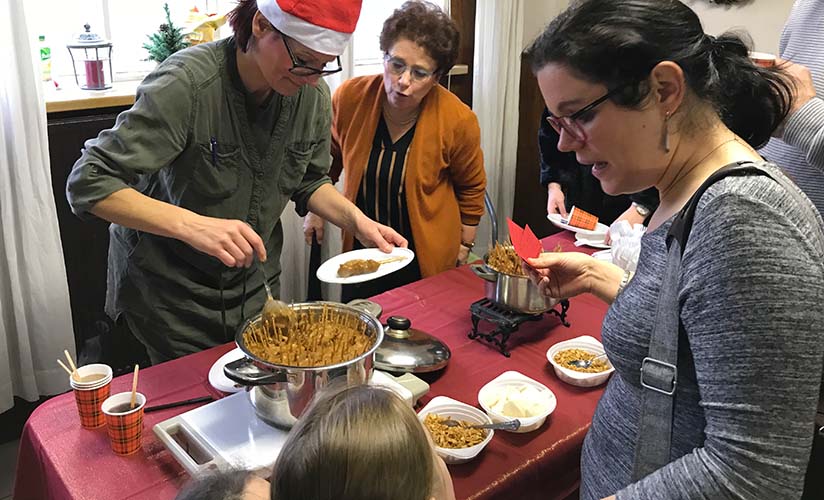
616	42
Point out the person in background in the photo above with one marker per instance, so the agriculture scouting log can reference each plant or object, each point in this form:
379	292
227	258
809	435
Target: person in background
409	149
799	145
569	183
362	442
225	485
675	105
195	175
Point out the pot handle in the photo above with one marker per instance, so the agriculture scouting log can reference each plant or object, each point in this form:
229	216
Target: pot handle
484	271
244	372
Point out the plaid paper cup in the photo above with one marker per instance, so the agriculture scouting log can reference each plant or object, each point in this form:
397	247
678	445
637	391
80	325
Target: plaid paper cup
583	219
91	387
125	426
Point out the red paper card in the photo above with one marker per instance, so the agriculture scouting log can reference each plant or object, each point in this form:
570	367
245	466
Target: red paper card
526	244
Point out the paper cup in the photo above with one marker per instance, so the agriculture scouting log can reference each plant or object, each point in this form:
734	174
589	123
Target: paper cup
91	387
583	219
762	59
125	425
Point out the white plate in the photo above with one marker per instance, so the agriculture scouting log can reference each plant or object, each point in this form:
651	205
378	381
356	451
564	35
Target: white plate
217	378
328	271
556	219
605	255
594	242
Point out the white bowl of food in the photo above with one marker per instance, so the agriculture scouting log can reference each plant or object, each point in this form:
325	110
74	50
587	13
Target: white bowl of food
456	445
584	348
514	396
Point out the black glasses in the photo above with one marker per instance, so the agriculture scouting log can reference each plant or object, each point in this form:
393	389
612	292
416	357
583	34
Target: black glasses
300	69
398	67
571	124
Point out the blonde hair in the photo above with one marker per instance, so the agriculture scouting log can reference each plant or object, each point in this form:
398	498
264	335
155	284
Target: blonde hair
361	443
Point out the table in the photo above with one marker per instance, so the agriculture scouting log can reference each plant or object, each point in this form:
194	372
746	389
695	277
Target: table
60	460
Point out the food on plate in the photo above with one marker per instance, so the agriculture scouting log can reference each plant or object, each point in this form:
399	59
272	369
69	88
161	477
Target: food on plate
460	436
516	401
565	356
356	267
318	337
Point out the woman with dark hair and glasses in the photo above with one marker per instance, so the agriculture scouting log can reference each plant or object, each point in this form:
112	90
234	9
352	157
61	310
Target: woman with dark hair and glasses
409	149
641	93
195	175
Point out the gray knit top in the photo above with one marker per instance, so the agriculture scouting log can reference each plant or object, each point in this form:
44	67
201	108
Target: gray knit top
751	295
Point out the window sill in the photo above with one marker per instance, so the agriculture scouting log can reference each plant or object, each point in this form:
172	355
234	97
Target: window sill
71	97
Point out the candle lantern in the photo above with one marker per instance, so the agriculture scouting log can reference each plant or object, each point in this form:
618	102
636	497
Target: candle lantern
96	56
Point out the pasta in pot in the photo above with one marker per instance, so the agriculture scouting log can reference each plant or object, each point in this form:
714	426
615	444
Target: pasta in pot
317	338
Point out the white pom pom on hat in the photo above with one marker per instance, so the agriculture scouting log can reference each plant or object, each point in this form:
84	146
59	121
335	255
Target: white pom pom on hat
324	26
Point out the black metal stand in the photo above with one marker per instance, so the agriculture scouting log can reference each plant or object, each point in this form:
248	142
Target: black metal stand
506	321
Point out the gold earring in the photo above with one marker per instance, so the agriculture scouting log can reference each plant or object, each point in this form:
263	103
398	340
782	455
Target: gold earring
665	138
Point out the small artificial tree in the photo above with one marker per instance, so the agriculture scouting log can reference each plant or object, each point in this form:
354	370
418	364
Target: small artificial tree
167	41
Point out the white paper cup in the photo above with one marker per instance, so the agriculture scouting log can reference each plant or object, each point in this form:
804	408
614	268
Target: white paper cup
91	377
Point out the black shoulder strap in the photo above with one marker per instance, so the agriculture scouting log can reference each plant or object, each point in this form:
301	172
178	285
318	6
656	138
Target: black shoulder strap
681	226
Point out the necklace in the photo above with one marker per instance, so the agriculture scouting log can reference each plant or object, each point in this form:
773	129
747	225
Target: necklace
400	122
679	177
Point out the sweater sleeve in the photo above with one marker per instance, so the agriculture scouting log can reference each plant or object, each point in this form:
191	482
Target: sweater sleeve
751	297
805	131
466	168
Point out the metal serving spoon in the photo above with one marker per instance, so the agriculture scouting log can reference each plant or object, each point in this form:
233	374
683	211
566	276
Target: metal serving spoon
580	363
276	311
509	425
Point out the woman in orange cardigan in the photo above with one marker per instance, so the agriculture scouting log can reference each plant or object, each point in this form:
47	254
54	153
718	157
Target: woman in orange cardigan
409	149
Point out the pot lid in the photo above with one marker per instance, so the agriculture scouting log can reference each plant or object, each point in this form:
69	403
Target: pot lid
406	349
88	39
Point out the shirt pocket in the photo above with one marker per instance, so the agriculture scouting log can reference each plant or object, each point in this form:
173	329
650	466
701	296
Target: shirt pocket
295	163
215	175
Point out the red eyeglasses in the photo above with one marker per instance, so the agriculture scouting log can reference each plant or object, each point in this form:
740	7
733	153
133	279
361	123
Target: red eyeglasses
570	123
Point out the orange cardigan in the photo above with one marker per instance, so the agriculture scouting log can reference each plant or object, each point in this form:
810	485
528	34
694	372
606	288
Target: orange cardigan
445	177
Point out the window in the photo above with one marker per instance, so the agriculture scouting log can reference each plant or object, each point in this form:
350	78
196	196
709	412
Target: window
123	22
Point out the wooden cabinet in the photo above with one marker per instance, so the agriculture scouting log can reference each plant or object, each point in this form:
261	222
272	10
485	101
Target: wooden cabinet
85	243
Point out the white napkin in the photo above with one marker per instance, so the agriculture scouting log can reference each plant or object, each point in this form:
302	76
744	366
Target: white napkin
626	244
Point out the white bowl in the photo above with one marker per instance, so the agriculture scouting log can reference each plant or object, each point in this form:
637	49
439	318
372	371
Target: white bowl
448	407
517	379
581	379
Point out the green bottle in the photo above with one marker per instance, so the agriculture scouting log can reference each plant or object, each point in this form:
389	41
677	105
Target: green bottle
45	59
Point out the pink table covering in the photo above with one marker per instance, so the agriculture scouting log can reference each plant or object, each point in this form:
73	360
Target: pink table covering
58	459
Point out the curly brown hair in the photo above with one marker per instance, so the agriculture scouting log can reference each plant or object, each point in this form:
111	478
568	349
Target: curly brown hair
429	27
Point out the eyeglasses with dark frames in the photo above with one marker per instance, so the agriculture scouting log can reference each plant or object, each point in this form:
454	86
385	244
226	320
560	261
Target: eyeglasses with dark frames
299	68
398	67
570	123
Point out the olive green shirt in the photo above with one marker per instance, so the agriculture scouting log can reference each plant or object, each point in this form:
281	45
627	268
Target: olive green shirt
189	140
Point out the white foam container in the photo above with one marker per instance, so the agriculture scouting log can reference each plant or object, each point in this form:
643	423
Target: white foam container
580	379
456	410
516	379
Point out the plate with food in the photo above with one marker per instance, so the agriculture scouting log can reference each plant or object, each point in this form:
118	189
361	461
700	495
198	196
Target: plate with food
559	221
362	265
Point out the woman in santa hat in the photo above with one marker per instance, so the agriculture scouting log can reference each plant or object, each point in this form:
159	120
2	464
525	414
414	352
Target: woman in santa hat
195	175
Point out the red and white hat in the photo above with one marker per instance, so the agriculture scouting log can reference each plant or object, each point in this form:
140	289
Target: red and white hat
322	25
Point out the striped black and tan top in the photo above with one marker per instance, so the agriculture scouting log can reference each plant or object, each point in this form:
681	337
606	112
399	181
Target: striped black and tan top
381	195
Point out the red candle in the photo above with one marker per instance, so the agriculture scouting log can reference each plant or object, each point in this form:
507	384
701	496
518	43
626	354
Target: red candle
95	79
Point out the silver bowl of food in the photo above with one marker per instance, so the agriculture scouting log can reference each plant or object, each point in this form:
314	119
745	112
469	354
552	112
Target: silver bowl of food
329	343
507	286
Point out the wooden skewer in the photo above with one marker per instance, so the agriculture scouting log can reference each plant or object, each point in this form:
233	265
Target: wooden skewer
134	387
63	365
71	363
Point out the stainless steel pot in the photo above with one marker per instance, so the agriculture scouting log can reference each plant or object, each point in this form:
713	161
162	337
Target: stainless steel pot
517	293
281	393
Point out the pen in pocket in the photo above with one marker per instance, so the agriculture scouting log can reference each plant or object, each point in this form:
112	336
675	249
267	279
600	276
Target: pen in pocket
213	148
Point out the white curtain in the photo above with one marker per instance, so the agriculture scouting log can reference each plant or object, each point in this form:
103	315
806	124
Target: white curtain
294	259
495	97
35	316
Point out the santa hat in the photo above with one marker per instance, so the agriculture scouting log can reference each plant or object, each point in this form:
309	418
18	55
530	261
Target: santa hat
322	25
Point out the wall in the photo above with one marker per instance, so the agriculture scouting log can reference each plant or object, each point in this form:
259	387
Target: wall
537	14
762	19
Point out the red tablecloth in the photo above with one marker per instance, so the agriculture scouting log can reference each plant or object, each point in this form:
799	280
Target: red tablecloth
60	460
